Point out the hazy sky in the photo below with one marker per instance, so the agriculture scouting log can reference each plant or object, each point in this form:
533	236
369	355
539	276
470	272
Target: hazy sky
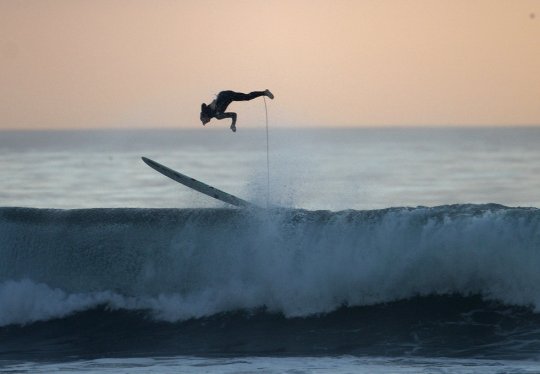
124	64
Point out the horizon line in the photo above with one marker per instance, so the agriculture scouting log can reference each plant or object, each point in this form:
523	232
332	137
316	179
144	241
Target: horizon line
278	127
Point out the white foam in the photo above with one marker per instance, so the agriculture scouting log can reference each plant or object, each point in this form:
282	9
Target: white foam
297	263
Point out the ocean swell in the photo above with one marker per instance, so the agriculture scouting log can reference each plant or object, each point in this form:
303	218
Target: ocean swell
187	263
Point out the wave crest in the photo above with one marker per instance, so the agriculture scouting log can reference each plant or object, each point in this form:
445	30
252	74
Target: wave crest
185	263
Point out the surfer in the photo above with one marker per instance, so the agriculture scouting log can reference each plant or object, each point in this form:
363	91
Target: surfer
216	109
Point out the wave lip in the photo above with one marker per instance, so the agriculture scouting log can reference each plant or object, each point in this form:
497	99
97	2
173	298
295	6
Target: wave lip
190	263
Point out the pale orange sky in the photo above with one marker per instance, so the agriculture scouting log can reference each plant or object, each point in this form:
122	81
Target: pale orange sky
131	64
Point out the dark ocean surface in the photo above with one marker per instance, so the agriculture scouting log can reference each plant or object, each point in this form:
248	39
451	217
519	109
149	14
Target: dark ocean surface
382	261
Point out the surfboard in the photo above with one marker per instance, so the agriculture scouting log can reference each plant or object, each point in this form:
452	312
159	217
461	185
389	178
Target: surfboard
197	185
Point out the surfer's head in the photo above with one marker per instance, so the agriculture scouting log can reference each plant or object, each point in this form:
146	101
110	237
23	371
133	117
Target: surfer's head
205	114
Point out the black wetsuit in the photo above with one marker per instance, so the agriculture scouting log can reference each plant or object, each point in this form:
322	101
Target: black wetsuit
217	108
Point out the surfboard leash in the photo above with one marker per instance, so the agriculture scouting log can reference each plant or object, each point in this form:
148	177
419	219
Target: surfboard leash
267	157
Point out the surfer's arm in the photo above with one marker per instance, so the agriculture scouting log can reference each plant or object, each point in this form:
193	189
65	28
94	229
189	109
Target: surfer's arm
231	115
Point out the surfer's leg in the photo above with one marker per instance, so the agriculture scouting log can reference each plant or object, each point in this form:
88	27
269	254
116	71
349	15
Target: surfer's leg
239	96
224	98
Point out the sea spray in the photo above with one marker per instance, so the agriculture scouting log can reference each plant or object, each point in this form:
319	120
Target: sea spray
187	263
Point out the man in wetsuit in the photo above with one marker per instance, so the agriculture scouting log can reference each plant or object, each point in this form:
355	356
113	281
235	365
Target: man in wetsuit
216	109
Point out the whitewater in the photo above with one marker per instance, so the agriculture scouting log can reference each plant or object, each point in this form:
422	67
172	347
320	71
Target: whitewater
190	263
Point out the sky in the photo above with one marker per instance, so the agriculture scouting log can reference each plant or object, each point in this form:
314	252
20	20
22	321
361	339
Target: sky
78	64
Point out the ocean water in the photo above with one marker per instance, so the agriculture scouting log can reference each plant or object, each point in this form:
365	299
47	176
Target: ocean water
382	251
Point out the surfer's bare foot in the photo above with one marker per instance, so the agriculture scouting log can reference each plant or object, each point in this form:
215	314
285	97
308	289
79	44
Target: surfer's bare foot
233	127
269	94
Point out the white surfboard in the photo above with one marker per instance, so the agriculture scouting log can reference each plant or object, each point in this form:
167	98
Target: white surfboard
197	185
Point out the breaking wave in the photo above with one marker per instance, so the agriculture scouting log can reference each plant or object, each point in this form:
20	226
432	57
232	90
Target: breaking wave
178	264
